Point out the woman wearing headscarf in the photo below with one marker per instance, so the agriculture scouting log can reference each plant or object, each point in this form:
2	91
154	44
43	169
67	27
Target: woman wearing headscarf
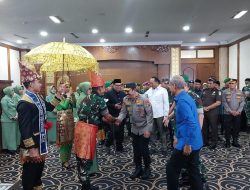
65	123
18	89
51	116
85	90
10	129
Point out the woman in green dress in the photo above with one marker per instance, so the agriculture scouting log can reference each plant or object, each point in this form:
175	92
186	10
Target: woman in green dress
9	121
18	89
51	116
65	123
85	90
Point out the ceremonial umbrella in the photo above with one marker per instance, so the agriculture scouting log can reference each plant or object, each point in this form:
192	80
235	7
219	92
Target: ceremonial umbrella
61	56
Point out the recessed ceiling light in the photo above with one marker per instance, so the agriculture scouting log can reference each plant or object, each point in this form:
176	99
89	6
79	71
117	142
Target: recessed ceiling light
191	47
94	31
56	19
128	30
18	41
44	33
203	39
186	28
102	40
239	14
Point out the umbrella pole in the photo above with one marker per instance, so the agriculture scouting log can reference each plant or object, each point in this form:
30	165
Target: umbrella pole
63	70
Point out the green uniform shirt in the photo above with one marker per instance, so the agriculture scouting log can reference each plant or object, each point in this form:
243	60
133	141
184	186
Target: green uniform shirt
92	109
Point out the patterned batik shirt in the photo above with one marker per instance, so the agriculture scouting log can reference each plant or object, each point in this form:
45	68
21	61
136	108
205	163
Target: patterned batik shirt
92	109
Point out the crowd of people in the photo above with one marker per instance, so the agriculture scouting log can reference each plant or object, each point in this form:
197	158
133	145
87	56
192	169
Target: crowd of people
181	114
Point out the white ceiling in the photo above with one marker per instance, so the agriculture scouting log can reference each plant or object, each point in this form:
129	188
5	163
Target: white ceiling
163	18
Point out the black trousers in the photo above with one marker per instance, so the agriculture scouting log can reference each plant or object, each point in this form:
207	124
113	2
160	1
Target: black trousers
158	128
179	161
232	127
115	133
83	167
141	150
32	174
210	122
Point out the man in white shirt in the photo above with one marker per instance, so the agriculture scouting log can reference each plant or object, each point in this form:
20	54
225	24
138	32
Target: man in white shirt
158	97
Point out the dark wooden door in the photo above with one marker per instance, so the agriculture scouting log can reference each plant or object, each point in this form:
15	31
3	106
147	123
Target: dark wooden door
189	70
204	71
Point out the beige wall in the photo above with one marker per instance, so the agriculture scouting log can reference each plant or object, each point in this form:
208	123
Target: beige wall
223	63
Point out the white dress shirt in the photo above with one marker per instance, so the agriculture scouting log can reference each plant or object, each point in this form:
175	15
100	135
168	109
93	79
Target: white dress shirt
158	97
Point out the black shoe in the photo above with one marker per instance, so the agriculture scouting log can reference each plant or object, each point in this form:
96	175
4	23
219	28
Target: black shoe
152	151
227	145
11	152
137	173
212	147
205	144
146	173
236	144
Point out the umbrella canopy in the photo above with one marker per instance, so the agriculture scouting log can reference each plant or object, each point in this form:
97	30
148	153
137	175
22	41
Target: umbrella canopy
61	56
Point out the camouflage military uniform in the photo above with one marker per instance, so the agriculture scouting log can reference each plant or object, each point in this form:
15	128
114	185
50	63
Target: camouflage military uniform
246	92
141	118
91	110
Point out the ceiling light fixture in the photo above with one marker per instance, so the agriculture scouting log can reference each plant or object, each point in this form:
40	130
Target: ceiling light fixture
191	47
128	30
44	33
102	40
203	39
94	31
186	28
56	19
239	14
19	41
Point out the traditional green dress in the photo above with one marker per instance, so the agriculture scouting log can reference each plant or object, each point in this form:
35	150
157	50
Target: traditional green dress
17	96
84	87
65	117
10	129
51	116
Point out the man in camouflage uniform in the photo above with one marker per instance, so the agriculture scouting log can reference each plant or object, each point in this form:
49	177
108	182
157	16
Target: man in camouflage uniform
141	117
233	101
246	92
93	110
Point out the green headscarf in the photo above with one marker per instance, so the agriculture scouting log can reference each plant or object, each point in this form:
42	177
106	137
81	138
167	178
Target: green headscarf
51	94
108	83
17	88
83	87
8	91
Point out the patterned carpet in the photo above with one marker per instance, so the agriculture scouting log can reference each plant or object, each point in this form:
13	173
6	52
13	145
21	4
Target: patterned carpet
227	169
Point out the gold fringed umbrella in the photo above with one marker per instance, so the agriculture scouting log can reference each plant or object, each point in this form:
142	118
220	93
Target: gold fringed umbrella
61	56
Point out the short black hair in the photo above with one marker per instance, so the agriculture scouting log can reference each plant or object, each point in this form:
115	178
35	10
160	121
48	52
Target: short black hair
165	80
26	84
247	79
156	80
197	81
217	82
